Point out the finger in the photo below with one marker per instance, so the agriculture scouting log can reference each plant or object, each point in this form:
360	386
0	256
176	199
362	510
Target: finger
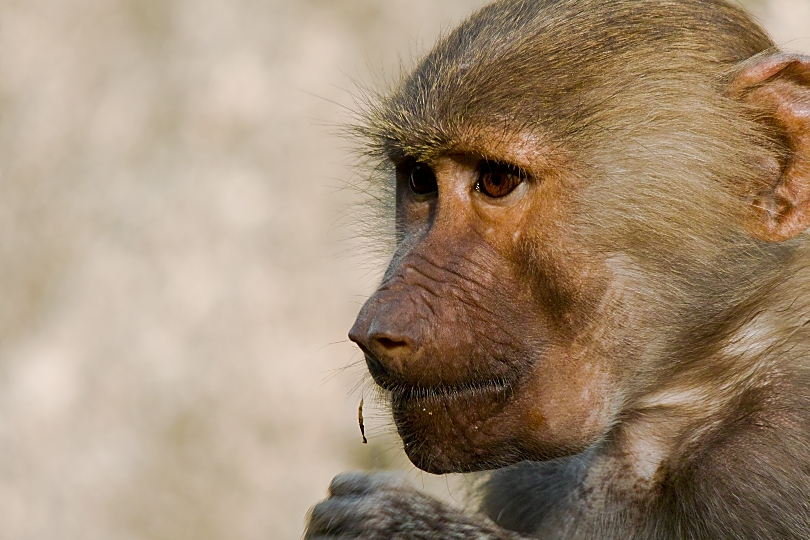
359	483
336	516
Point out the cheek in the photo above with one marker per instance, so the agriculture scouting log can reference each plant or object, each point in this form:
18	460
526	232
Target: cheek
566	282
573	392
565	279
569	400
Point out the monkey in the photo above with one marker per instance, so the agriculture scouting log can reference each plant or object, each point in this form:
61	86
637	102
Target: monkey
599	296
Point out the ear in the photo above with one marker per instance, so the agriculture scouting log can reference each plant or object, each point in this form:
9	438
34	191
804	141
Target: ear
778	85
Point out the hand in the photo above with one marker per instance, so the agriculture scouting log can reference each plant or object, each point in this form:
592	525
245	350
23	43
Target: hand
384	506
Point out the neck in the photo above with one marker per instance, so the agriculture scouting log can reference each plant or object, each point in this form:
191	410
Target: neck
756	377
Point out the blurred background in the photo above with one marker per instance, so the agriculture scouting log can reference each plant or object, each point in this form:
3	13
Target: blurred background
176	281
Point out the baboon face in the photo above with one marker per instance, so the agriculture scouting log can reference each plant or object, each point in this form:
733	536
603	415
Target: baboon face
492	328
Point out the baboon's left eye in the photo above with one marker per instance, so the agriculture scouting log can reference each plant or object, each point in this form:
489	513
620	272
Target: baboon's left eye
422	180
498	179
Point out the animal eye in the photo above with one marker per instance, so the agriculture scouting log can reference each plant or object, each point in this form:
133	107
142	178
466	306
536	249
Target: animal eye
498	179
421	179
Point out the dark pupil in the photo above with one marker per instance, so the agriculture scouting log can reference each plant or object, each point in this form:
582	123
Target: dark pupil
422	179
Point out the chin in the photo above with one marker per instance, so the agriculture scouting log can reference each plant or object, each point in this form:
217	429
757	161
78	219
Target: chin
472	429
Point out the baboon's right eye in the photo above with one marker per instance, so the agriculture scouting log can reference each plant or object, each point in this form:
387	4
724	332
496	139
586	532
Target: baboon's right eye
421	179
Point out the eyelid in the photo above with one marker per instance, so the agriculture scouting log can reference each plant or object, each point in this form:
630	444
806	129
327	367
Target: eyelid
492	166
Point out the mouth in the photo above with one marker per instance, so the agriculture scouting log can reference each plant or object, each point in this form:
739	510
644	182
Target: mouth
470	420
460	428
463	391
409	389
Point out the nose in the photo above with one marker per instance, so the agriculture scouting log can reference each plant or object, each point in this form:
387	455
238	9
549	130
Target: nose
385	341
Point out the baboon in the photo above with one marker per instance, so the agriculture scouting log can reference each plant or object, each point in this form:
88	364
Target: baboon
601	286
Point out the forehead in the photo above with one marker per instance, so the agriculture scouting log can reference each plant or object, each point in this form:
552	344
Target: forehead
530	69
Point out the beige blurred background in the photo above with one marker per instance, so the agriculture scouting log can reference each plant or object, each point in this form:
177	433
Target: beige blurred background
175	282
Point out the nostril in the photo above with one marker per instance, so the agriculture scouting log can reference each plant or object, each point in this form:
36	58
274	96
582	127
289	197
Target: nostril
384	357
390	344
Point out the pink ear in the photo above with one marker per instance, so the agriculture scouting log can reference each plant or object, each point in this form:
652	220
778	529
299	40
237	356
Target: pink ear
779	86
759	70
